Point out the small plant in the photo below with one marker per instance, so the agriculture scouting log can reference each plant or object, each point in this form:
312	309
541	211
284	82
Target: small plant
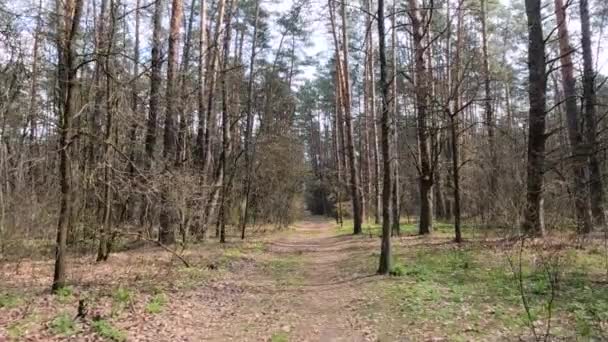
122	295
63	324
104	329
397	270
64	294
156	303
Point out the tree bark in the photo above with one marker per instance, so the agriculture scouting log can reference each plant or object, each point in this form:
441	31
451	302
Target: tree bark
396	206
167	215
249	122
155	80
533	215
385	251
596	186
350	147
577	149
68	31
426	174
488	112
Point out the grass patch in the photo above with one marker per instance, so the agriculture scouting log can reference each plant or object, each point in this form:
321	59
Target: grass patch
279	337
63	324
397	270
156	303
106	330
64	294
122	295
9	300
285	269
18	329
440	288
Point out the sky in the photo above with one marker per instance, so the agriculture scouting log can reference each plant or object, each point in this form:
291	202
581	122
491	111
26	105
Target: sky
322	44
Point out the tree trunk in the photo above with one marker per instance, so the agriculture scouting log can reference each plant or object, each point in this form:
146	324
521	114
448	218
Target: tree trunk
226	140
455	123
533	216
489	115
426	174
202	58
167	215
577	149
374	142
155	80
385	252
596	187
67	77
249	122
105	240
396	206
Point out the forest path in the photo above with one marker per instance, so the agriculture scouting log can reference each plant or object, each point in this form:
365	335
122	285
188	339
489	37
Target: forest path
298	291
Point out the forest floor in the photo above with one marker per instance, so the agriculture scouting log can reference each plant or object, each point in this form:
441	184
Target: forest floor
316	282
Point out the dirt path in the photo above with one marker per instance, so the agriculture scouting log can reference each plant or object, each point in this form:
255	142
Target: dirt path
304	297
294	285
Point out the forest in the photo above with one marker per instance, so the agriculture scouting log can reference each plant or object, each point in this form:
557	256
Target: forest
303	170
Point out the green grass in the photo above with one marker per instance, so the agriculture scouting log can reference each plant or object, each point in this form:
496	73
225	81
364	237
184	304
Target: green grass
10	300
122	295
285	269
406	228
440	288
63	324
106	330
156	303
64	294
279	337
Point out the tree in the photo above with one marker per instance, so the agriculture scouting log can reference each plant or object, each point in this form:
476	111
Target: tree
533	216
67	33
424	154
596	190
577	150
385	251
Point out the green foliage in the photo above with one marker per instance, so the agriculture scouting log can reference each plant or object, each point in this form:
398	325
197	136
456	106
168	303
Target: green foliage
122	295
9	300
398	270
156	303
64	294
106	330
63	324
